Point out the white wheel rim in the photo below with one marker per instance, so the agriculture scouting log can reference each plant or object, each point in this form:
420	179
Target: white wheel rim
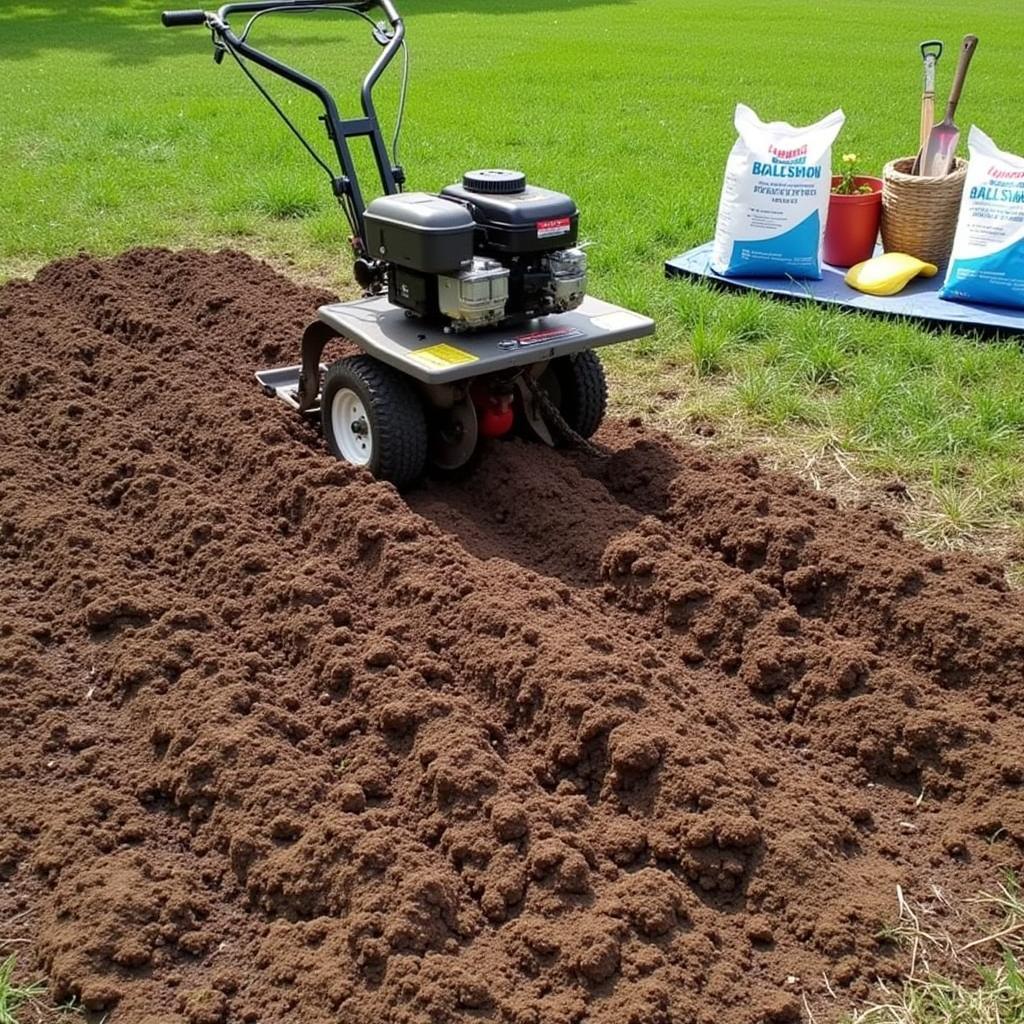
351	427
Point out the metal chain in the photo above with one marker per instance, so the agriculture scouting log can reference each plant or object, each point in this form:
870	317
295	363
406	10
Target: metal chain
552	414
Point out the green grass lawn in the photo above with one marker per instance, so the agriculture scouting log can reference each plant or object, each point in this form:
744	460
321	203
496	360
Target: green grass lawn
116	132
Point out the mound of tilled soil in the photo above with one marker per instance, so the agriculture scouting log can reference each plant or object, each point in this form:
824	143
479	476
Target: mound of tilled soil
640	740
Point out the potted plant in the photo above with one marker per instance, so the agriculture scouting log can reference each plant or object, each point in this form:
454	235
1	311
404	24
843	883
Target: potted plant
854	213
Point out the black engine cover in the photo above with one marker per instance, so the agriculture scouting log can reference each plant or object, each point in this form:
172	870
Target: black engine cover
416	237
531	220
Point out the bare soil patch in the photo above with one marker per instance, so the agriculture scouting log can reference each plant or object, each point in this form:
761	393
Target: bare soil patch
636	740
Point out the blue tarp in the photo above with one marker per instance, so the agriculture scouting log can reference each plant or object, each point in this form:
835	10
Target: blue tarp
919	300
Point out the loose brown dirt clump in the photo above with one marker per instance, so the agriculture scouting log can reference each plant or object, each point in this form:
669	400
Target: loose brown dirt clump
643	740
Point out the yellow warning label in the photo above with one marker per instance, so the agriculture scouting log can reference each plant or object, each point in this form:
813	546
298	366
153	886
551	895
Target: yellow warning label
442	356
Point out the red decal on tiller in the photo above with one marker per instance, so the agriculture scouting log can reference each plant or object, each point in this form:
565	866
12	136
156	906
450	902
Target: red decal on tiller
558	226
551	334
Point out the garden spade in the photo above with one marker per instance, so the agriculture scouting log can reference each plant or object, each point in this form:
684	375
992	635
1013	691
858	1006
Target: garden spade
931	51
941	148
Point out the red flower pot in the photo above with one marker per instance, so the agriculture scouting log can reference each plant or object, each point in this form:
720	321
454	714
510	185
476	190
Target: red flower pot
852	226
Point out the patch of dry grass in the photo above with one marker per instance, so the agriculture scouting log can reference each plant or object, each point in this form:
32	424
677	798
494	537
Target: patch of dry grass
989	983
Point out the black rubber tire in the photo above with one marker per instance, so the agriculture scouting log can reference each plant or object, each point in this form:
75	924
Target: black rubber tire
583	390
397	421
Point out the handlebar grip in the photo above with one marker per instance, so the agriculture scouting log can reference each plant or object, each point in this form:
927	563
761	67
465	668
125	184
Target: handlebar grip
174	19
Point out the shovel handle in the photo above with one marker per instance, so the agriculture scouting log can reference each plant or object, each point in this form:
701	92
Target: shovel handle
927	121
931	51
967	48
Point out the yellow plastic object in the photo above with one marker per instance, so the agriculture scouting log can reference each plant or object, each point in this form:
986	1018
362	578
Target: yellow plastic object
887	274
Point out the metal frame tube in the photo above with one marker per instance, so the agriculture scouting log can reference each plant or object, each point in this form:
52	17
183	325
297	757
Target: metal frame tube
339	129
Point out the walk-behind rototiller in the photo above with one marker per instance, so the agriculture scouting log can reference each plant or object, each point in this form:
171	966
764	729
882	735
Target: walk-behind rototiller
475	318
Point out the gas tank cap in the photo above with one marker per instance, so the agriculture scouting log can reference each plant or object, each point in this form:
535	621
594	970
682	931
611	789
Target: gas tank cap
494	182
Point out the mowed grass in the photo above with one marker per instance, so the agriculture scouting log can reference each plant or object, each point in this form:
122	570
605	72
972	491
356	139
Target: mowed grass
116	132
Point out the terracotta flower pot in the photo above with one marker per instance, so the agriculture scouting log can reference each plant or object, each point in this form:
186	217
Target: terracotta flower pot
852	226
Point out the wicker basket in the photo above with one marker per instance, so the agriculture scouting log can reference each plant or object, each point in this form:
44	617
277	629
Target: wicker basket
919	214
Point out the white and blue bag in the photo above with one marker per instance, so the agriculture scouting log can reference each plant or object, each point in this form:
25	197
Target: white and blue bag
771	217
987	264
